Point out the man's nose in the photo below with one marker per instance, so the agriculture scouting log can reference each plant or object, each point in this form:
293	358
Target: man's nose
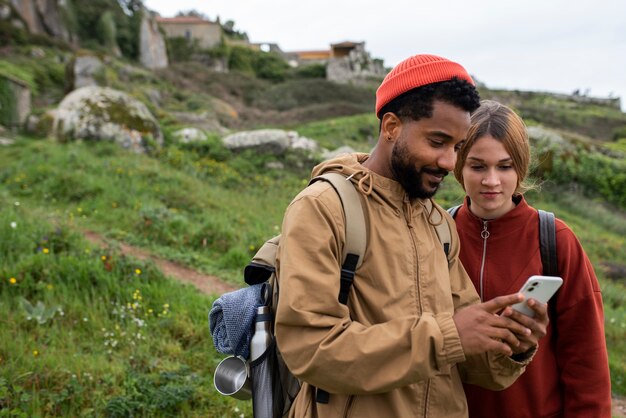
447	160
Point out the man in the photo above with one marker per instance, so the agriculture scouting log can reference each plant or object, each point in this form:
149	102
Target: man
413	329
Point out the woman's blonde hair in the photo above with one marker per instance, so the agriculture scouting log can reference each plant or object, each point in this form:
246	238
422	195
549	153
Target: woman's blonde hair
503	124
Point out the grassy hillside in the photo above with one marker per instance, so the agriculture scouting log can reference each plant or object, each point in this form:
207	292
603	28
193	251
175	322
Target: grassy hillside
185	205
91	332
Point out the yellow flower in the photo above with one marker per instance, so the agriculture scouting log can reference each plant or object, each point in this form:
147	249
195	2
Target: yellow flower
49	287
12	280
137	272
35	353
103	258
46	251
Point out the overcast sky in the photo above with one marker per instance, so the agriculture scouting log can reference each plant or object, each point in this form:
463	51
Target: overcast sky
540	45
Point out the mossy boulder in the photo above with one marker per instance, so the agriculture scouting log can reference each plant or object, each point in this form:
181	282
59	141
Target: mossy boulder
105	114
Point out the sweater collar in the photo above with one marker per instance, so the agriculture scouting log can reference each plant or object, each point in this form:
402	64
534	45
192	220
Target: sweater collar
510	221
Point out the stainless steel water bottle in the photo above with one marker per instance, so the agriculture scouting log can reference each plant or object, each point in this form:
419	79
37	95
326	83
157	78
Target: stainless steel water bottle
262	336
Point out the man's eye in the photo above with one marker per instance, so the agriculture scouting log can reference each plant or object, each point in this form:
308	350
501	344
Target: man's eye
435	143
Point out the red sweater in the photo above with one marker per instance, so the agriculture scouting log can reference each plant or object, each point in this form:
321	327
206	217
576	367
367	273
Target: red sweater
569	375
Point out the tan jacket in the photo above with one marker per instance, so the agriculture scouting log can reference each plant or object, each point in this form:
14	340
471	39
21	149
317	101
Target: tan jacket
394	351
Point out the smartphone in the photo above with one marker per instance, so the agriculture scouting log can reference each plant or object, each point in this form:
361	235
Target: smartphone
541	288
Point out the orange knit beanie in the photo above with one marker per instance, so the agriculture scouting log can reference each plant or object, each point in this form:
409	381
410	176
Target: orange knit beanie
417	71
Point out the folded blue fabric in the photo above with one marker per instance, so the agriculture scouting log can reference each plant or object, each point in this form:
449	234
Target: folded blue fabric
231	318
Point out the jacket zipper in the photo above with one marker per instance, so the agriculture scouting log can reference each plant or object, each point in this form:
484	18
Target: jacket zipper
484	235
408	213
426	396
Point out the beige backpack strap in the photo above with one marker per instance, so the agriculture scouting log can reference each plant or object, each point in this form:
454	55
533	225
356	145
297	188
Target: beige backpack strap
441	224
356	234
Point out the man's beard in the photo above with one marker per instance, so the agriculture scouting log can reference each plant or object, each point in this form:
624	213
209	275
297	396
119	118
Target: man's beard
411	179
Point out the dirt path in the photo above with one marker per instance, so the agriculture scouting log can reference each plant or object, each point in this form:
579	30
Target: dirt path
213	285
205	283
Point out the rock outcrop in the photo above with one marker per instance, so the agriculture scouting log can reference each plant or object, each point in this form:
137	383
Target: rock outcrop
42	17
269	141
101	113
81	71
152	50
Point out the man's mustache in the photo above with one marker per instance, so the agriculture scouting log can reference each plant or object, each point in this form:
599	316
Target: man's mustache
435	171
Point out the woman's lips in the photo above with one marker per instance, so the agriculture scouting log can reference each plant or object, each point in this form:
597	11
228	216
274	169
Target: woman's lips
490	195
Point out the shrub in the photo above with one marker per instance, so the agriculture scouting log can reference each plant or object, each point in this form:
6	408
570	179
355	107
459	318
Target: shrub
270	66
180	49
311	71
241	59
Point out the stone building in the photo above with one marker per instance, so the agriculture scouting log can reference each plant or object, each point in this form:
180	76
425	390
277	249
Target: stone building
345	62
207	33
350	62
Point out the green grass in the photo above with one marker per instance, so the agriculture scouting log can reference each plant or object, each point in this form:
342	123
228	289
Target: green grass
180	204
112	336
196	204
359	132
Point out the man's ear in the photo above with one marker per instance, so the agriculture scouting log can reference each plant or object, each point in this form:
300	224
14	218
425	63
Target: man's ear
390	126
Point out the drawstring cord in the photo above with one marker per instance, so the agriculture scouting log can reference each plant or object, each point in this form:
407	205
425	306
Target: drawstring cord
367	190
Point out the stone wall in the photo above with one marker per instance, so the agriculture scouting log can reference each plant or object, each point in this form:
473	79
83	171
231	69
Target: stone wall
152	49
15	102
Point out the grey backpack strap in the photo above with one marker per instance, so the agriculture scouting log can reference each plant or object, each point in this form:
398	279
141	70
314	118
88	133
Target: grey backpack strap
547	243
453	210
356	234
442	227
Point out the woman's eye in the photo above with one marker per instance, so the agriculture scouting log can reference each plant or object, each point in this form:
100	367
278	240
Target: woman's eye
476	167
506	167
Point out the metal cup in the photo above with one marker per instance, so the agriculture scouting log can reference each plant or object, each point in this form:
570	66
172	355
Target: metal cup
232	378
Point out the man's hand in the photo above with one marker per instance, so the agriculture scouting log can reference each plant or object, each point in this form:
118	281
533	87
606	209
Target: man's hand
481	329
538	325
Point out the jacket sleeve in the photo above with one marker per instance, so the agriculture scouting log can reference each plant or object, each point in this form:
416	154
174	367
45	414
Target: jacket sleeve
489	370
319	341
581	345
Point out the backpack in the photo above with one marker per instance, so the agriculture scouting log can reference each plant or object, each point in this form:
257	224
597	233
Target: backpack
547	240
279	386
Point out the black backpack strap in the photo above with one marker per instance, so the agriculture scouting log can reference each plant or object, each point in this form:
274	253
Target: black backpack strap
347	277
348	270
547	243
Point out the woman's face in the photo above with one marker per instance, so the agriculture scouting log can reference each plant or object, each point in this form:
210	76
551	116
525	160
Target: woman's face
489	178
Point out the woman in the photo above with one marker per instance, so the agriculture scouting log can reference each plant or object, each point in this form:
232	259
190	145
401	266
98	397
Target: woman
569	374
